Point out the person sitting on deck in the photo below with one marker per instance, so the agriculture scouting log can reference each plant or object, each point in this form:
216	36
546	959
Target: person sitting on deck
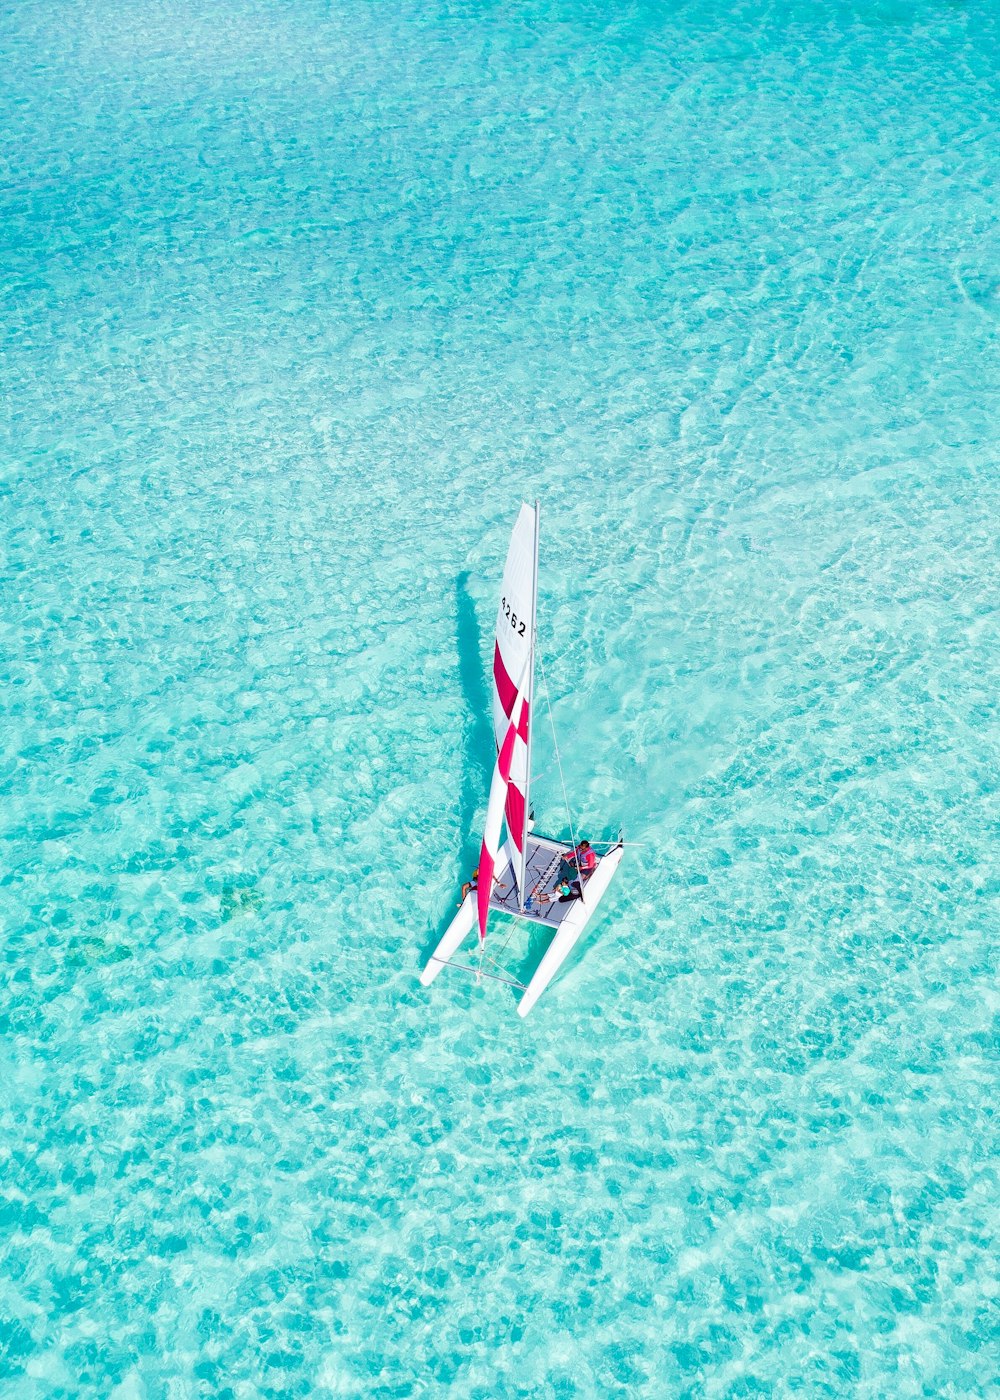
469	886
581	861
569	890
565	891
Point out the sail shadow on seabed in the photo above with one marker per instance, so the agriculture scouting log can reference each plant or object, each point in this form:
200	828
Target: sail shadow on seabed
477	769
477	757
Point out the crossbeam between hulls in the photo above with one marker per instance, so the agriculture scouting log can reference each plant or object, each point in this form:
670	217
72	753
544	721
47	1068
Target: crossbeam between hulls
478	972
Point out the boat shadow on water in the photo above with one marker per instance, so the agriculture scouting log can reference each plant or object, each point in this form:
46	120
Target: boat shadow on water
477	761
477	770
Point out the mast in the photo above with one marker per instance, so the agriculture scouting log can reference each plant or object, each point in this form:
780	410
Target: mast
531	712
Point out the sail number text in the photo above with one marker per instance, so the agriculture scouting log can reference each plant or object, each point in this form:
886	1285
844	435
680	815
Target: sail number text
512	618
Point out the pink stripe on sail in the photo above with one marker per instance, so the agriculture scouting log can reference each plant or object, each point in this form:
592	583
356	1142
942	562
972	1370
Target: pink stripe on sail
499	790
506	688
507	691
484	890
515	815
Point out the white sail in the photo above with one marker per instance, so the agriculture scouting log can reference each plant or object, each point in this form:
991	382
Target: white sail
513	658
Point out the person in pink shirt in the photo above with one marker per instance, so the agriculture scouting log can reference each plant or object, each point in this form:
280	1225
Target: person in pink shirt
580	861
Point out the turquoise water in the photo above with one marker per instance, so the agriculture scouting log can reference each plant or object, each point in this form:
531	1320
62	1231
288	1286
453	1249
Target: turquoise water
299	301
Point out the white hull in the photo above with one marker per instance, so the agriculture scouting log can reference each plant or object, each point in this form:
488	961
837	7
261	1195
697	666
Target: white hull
574	918
459	928
580	914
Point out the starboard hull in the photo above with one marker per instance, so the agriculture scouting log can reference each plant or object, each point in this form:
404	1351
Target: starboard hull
570	930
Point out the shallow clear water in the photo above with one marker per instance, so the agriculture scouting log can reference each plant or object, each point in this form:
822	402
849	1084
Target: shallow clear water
298	302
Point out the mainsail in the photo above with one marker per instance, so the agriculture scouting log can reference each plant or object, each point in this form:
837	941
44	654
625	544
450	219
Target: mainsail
513	674
499	789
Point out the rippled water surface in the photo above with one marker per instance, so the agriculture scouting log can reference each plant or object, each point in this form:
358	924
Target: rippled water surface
298	301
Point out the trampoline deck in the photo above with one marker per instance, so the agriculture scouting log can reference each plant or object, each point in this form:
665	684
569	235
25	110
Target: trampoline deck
541	871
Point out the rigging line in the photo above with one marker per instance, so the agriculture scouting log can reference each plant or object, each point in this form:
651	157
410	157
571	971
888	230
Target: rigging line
498	968
482	954
562	779
516	921
510	935
446	962
543	878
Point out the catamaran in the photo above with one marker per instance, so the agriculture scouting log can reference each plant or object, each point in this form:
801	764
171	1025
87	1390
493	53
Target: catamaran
523	878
